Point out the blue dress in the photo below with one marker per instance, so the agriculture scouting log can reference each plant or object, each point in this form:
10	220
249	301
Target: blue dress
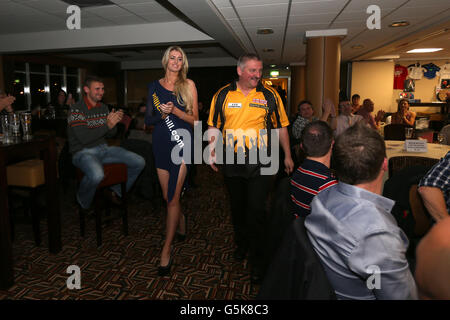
164	130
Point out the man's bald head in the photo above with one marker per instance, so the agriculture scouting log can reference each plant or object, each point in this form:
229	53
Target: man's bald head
433	263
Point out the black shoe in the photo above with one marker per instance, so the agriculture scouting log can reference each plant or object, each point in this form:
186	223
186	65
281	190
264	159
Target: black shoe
180	236
240	254
164	271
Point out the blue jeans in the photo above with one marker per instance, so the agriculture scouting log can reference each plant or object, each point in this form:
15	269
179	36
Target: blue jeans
91	160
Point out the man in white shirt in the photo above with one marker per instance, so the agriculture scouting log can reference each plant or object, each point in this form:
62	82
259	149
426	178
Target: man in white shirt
346	118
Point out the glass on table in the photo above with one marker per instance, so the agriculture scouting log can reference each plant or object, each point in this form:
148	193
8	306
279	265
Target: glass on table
409	133
14	125
25	119
4	126
440	138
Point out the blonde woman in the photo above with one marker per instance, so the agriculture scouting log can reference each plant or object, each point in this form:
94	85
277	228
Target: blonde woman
172	106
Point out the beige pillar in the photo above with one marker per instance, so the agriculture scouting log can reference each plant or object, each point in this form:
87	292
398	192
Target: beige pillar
322	70
2	75
298	86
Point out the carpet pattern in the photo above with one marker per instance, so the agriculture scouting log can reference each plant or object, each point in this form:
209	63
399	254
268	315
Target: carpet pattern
126	267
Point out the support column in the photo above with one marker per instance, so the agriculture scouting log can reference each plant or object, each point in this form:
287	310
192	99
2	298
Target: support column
298	86
323	66
2	75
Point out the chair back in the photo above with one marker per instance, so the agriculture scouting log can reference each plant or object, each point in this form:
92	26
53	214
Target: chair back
296	272
394	132
398	163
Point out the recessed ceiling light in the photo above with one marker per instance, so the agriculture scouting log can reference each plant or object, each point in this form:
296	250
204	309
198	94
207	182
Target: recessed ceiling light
396	24
264	31
424	50
386	57
358	46
268	50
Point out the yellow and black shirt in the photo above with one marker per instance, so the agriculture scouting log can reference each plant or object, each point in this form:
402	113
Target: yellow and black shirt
262	108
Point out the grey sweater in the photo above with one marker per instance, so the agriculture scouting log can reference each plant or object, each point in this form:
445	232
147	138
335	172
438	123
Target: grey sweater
87	128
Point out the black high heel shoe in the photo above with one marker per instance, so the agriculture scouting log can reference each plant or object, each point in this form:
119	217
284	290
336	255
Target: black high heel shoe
181	237
164	271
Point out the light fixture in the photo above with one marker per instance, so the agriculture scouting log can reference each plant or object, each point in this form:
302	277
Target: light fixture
274	73
268	50
386	57
396	24
424	50
264	31
273	65
357	46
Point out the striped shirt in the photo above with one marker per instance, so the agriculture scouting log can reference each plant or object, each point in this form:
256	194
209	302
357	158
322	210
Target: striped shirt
439	177
307	181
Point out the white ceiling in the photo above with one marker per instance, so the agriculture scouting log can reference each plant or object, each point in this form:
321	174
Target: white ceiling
221	29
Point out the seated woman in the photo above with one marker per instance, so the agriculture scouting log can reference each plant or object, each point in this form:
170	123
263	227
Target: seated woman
403	115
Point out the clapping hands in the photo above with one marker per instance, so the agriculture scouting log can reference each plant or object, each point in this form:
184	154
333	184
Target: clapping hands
379	116
114	117
167	107
328	107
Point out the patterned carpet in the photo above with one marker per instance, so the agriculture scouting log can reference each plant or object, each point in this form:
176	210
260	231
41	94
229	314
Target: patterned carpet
126	267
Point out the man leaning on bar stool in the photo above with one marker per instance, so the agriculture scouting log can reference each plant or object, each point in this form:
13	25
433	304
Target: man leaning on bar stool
89	123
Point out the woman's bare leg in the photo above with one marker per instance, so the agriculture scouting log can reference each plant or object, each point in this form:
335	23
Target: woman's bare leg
173	216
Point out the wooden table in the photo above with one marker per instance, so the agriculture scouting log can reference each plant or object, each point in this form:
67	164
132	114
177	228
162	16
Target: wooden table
10	153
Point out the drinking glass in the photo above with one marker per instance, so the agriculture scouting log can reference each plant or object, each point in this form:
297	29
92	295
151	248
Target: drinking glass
14	125
5	127
408	133
25	119
440	139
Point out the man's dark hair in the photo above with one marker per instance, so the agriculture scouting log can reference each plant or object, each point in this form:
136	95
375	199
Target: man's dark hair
358	154
356	96
303	102
316	138
248	56
90	79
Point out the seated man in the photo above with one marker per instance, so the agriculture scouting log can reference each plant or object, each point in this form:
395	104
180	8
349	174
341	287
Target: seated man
356	98
314	175
306	115
89	123
433	263
351	228
366	113
435	189
345	118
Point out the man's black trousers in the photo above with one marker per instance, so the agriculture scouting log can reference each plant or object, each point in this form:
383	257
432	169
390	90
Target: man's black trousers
248	197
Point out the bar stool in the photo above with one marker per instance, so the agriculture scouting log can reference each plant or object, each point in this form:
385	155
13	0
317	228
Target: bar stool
114	173
28	174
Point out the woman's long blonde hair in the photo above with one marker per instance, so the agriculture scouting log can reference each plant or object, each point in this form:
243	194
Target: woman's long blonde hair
181	86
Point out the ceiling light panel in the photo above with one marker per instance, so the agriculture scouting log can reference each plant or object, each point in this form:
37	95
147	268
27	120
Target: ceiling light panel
424	50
